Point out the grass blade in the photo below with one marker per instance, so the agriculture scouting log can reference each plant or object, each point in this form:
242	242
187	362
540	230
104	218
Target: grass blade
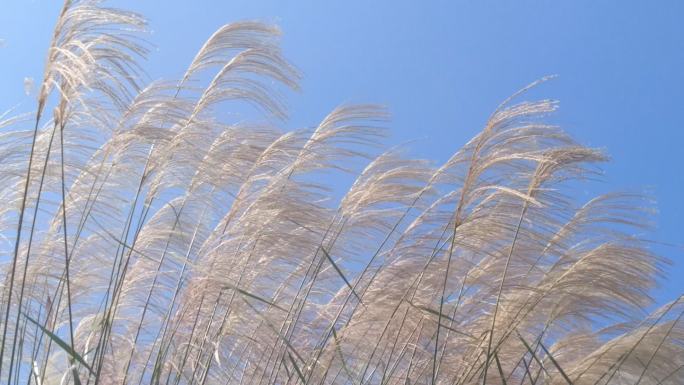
65	346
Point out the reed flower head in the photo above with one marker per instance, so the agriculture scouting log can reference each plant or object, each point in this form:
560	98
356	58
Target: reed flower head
151	238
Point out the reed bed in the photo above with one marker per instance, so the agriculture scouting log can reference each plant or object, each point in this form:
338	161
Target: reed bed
149	237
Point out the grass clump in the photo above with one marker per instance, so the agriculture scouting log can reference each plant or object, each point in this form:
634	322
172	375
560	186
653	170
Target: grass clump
150	238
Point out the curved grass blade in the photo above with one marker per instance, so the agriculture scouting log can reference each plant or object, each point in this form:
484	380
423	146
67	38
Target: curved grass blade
55	338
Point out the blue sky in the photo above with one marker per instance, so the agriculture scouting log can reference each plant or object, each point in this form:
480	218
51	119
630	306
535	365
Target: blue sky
441	67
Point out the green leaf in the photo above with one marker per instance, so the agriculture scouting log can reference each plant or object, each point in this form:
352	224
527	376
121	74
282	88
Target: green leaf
254	296
436	313
553	360
279	334
63	345
501	373
337	269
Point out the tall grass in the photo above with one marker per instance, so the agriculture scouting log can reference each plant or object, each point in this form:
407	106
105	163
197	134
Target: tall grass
151	238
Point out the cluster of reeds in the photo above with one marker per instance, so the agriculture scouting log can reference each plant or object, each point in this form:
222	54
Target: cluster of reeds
151	238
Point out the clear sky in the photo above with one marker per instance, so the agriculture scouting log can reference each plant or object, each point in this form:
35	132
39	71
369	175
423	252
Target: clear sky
442	66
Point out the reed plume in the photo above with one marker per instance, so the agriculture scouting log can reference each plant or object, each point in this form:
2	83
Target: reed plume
149	237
